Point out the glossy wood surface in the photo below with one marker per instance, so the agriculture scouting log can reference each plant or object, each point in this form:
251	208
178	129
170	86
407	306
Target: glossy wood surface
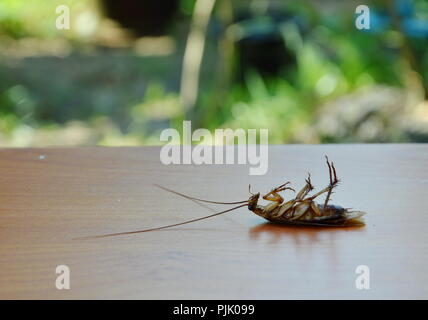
50	196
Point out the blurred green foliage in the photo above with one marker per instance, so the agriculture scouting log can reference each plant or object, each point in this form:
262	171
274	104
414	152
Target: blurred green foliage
91	93
35	18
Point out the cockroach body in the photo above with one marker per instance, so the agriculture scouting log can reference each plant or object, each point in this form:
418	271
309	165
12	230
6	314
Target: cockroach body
305	214
302	210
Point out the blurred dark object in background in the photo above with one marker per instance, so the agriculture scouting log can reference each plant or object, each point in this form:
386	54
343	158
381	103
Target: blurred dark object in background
260	45
145	18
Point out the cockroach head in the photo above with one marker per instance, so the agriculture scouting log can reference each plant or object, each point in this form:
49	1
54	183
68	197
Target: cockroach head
252	201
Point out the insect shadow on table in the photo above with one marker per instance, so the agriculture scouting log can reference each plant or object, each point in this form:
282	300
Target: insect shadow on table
304	235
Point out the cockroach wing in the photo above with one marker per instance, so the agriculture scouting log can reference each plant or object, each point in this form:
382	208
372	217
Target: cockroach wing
354	214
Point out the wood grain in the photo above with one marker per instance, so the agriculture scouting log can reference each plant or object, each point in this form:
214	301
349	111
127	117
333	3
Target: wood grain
50	196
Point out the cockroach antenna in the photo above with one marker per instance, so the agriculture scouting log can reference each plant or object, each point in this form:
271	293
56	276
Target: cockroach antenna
196	199
158	228
249	189
242	204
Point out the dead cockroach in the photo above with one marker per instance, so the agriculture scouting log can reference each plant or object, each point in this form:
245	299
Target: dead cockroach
302	210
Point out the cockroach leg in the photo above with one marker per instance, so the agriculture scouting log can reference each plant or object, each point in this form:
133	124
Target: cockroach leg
318	193
283	187
302	192
306	189
309	182
284	208
329	189
315	208
274	194
300	210
333	181
268	209
275	197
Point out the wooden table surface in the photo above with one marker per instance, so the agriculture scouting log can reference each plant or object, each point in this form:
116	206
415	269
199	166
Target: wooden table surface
50	196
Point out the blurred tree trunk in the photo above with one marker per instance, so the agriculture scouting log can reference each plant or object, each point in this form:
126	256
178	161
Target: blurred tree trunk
194	53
